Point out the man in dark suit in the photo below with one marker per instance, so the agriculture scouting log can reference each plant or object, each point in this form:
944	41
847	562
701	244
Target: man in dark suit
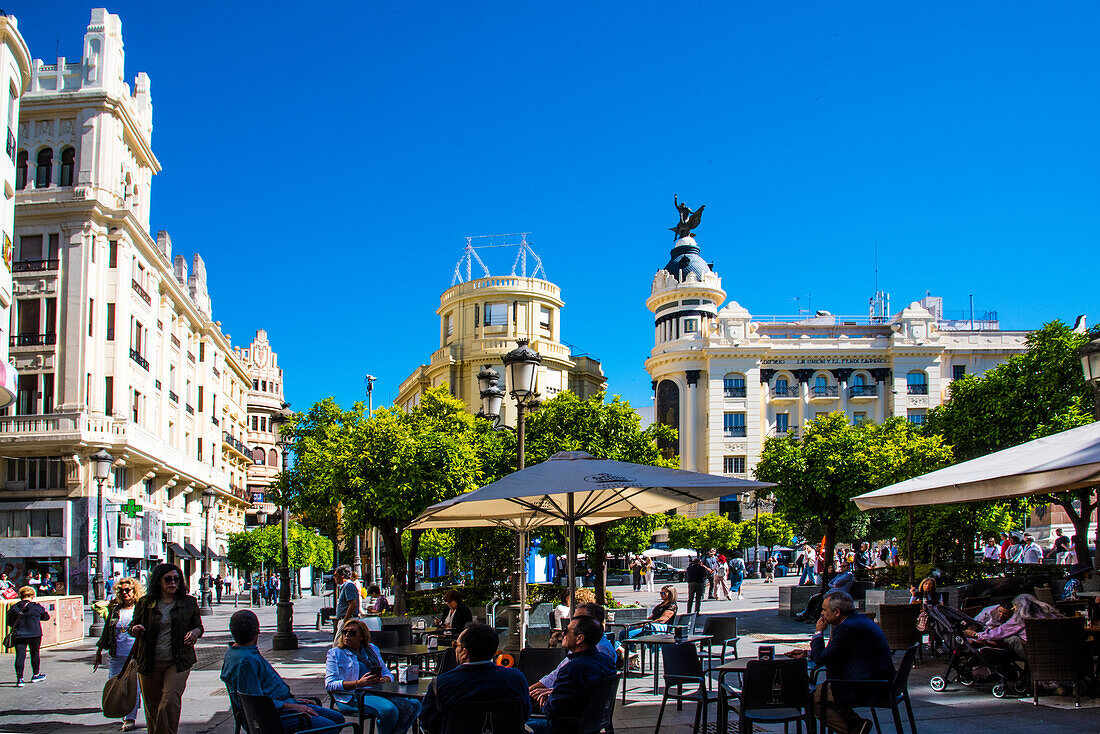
478	678
857	650
585	667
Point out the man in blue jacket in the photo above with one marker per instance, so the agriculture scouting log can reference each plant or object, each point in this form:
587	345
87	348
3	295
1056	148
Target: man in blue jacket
585	667
245	670
478	678
857	650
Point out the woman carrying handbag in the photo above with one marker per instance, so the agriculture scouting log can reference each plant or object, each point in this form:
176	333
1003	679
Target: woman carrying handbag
25	619
116	638
167	623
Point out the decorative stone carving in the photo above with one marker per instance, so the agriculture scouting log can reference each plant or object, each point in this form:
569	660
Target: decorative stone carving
918	401
766	376
881	374
803	376
66	127
736	447
693	377
43	128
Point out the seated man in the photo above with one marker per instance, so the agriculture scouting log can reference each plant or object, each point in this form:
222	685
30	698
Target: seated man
857	650
842	581
476	679
994	615
605	648
583	669
244	670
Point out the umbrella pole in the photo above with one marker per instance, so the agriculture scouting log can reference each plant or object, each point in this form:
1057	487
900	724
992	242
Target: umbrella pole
571	545
522	588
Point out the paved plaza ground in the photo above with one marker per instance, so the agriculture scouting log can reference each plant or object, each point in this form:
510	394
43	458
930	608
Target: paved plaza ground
68	700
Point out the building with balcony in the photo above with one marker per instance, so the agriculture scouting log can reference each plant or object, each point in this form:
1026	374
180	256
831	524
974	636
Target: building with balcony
115	340
15	77
479	322
727	379
265	398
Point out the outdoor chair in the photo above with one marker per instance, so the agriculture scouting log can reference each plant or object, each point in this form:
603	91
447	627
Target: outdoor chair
1044	594
261	717
500	716
239	724
885	694
449	662
535	662
772	692
683	667
1056	650
899	625
723	631
367	719
687	621
374	624
384	638
598	712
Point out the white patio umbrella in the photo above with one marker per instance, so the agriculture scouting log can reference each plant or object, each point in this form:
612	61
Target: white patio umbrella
655	552
683	553
574	488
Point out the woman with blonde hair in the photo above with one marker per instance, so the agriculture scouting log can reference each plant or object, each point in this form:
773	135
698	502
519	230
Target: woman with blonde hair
116	638
25	618
355	662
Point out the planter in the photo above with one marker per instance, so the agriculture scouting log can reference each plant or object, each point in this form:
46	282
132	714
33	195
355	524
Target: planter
793	599
877	597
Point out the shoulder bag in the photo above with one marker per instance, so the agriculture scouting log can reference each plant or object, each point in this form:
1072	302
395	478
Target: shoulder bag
9	640
120	693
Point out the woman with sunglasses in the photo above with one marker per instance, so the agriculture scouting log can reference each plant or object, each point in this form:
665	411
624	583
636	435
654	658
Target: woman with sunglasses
355	662
168	624
116	638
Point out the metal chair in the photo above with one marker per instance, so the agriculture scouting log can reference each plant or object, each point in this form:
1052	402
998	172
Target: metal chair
1056	650
384	638
535	662
683	667
261	717
501	716
899	625
722	631
885	694
598	710
374	624
449	662
238	712
774	692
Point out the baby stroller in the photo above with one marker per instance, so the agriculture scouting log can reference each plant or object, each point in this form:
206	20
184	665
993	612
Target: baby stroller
971	662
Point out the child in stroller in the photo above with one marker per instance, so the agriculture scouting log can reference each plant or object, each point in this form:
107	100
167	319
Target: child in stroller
971	662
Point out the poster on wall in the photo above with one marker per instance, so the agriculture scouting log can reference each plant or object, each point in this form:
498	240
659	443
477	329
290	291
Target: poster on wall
8	251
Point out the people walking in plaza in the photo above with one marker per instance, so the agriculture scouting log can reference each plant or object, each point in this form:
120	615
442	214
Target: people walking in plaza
737	572
636	568
648	574
697	575
116	639
245	670
990	551
720	572
809	562
167	623
710	561
25	618
1032	552
219	585
355	662
769	569
1059	547
347	599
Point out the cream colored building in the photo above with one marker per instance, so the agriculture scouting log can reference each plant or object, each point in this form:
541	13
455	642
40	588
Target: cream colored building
727	379
114	340
480	321
265	398
15	77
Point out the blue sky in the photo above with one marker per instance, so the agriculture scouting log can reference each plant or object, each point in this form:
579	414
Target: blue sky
328	163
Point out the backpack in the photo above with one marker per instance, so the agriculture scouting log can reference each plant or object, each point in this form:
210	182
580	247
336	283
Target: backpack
737	569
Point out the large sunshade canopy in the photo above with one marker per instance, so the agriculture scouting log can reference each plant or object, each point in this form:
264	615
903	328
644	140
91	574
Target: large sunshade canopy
1061	462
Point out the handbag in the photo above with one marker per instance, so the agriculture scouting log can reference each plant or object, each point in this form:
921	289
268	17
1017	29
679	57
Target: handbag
9	638
120	692
9	593
922	619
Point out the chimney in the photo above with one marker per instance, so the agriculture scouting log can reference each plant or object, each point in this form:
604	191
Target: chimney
164	243
181	269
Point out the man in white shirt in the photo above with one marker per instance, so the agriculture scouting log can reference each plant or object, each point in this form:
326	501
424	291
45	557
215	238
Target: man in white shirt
1032	552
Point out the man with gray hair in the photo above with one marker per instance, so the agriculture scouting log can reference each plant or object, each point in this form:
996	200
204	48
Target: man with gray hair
857	650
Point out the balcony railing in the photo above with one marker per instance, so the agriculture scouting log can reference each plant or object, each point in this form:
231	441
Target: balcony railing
157	383
175	341
142	361
863	391
189	409
824	391
918	389
217	372
34	266
191	358
173	397
141	292
214	420
11	144
234	443
788	391
32	340
734	392
734	432
110	335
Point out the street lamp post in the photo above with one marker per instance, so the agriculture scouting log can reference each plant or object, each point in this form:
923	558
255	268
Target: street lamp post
209	497
756	503
284	639
102	462
1090	366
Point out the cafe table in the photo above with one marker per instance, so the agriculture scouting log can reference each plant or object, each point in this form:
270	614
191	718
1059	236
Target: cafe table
656	641
393	689
412	653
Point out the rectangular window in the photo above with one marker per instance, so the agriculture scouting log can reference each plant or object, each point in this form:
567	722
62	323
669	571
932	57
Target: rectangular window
112	255
476	312
47	392
135	410
51	316
263	388
109	395
733	425
110	322
782	423
40	472
200	398
691	326
53	245
30	247
916	417
515	312
733	464
91	317
256	386
451	327
199	454
150	487
263	424
256	427
860	416
29	319
26	398
957	371
544	317
496	314
734	387
118	478
137	336
202	351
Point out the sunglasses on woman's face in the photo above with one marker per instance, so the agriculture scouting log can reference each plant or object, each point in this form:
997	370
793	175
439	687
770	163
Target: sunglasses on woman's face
348	633
170	580
127	589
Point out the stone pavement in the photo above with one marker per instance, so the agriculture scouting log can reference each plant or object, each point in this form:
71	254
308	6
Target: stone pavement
68	700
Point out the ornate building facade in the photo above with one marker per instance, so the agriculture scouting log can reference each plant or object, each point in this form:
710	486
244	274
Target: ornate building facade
115	342
265	398
727	379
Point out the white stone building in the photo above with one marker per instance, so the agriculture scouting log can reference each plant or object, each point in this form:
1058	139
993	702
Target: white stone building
265	398
727	379
115	342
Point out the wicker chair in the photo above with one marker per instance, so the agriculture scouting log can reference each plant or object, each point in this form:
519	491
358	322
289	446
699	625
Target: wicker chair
1045	594
899	624
1070	608
1056	650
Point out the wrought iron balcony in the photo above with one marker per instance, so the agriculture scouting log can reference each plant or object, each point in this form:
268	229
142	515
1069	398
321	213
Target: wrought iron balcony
863	391
141	292
11	144
34	266
142	361
175	341
824	391
214	419
217	372
734	432
235	444
785	391
918	389
32	340
190	358
189	409
173	397
734	392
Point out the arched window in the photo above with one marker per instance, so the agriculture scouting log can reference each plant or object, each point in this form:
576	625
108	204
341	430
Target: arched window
821	385
859	387
733	385
858	379
272	458
917	382
783	387
21	170
68	162
668	412
258	456
45	168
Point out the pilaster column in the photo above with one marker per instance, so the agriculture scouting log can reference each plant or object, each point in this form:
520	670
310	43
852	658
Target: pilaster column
690	441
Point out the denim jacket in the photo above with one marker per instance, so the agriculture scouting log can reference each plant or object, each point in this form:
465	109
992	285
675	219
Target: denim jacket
245	670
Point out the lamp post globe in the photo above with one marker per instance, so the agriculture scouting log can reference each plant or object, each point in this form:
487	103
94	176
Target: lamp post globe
1090	366
209	498
101	465
522	366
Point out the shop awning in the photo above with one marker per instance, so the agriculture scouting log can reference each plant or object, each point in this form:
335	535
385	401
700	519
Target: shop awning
215	557
195	552
182	553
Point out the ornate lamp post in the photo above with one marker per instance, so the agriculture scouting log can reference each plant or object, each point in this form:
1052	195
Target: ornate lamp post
209	498
1090	365
756	503
101	462
284	639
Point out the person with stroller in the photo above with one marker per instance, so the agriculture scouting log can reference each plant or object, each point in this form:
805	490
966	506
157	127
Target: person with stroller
1012	633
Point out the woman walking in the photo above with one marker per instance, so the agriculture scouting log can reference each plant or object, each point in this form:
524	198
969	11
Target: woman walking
25	618
116	638
168	624
648	574
720	586
736	573
355	662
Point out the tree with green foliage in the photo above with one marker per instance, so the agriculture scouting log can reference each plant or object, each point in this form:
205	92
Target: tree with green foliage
818	475
709	531
262	546
774	530
1031	395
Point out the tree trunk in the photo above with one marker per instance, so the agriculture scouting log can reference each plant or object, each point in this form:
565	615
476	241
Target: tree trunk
830	543
1080	522
410	571
599	565
391	539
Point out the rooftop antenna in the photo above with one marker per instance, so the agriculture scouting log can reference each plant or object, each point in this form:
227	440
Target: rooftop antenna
521	259
464	267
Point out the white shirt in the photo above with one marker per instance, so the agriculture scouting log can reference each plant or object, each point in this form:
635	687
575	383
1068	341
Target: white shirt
123	640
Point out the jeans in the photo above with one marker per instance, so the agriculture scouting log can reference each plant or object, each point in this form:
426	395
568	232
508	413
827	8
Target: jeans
395	715
695	594
114	667
22	645
807	576
293	722
541	726
636	579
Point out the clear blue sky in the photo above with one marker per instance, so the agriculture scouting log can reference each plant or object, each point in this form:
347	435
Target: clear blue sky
328	159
